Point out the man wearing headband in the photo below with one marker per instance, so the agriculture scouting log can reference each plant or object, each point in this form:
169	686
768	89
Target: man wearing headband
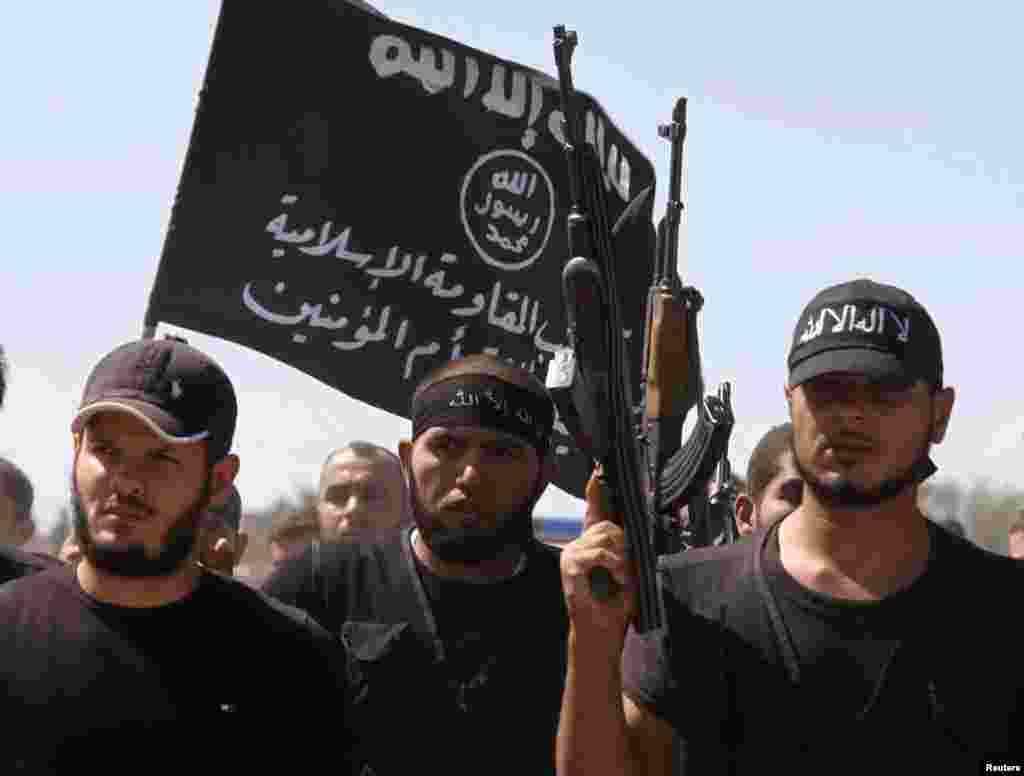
456	626
119	658
876	631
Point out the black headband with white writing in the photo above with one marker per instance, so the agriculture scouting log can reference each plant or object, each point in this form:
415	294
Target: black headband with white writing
486	401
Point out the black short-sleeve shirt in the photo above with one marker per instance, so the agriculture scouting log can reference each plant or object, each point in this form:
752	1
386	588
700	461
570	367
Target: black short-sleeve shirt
471	674
755	672
225	676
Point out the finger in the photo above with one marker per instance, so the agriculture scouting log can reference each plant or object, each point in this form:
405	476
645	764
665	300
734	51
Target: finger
602	584
598	501
604	535
585	560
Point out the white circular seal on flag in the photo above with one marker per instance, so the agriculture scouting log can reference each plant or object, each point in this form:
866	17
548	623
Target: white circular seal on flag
508	209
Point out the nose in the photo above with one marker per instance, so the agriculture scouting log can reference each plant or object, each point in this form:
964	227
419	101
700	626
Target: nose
126	481
469	473
350	509
854	403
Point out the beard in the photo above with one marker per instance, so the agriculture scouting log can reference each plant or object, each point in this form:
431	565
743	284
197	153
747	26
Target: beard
134	560
513	528
844	493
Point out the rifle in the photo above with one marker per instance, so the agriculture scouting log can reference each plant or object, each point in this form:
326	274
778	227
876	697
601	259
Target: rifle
644	471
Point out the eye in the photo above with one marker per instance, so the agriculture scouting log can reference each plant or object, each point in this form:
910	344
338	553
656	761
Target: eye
792	490
336	495
165	456
507	450
893	390
823	389
446	443
100	448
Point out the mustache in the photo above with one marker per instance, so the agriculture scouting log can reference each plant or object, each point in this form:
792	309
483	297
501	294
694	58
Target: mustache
462	505
845	439
122	501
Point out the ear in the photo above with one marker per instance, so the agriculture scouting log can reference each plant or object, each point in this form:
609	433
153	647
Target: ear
942	409
221	477
76	442
787	394
241	542
405	454
744	514
25	530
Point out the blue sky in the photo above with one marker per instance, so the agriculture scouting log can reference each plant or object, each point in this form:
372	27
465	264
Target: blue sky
825	142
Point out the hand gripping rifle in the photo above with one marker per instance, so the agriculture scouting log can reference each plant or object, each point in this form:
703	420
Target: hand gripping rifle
641	464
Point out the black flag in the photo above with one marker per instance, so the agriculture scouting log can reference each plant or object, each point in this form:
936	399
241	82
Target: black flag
364	200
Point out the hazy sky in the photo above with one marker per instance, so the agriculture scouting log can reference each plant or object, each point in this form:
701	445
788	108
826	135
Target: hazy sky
825	142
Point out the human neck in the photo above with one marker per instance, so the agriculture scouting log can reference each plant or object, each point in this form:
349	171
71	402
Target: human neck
855	553
501	567
137	592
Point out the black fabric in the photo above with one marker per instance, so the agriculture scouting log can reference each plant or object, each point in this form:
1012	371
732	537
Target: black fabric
15	563
929	674
487	401
475	676
224	677
868	328
334	281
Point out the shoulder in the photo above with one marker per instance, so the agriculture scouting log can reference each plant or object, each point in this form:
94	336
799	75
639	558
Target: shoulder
707	572
15	563
261	608
44	597
544	555
46	582
969	566
333	560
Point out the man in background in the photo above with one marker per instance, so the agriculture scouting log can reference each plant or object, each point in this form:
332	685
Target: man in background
290	534
16	497
16	526
1016	537
362	494
3	375
774	488
222	541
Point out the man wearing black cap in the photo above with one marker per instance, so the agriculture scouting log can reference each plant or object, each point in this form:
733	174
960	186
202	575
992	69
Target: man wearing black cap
118	659
456	626
854	635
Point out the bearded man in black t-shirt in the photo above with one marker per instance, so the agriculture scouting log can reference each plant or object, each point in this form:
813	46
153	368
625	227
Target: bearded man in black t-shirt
137	658
853	636
456	627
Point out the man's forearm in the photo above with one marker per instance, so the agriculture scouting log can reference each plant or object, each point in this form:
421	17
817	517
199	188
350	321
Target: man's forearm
592	738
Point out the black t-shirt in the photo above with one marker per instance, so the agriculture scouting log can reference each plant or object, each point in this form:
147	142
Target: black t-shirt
467	676
15	563
223	677
757	673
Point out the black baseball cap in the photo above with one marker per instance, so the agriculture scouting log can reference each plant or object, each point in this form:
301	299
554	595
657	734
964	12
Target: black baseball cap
866	328
179	392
